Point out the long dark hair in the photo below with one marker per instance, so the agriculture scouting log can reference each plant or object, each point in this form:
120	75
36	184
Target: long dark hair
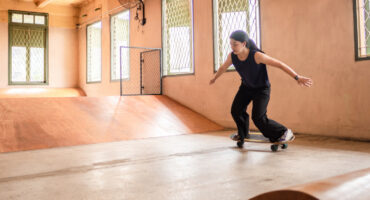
242	36
252	45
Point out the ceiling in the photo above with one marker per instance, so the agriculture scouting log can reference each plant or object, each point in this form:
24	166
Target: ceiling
75	3
43	3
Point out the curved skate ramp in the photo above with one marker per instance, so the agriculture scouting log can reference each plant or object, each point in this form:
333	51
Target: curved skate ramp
354	185
39	123
40	92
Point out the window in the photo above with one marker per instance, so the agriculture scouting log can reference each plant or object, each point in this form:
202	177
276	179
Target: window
231	15
120	29
28	55
94	52
177	37
362	29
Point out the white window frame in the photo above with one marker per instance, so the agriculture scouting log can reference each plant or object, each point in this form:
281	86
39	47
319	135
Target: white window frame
87	53
362	38
125	73
167	70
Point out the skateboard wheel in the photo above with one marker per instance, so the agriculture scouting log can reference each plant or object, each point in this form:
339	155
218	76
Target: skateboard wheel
274	147
284	146
240	144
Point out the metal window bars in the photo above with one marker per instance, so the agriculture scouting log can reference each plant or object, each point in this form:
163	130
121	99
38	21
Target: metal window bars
177	37
362	10
94	53
231	15
27	48
120	36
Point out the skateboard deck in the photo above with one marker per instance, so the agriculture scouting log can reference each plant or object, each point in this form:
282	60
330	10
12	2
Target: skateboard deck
257	137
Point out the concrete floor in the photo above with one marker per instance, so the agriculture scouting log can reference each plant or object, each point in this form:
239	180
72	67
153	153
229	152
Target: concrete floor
192	166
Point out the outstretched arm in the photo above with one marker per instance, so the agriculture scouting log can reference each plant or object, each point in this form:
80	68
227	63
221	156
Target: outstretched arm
265	59
222	69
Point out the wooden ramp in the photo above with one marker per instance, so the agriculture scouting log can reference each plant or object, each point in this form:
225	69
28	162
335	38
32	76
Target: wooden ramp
40	92
37	123
355	185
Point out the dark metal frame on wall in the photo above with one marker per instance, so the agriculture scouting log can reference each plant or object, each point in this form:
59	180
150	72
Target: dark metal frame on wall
355	19
142	51
45	27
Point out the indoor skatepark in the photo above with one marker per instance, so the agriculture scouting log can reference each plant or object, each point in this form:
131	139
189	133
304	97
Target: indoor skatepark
122	108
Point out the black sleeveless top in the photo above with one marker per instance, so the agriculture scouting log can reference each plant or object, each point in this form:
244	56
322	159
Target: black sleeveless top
253	75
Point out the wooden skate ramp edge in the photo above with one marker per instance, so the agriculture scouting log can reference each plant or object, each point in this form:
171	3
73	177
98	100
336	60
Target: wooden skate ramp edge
354	185
40	92
284	194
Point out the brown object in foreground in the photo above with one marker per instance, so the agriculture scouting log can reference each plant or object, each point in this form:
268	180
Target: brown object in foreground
354	185
36	123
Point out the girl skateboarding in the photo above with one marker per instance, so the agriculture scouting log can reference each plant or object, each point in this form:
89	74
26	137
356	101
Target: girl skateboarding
250	63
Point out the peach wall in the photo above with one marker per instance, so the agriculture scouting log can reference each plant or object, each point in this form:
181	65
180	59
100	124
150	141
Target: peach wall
142	36
316	38
63	43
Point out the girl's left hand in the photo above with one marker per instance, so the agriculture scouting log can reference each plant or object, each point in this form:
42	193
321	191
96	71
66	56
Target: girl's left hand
304	81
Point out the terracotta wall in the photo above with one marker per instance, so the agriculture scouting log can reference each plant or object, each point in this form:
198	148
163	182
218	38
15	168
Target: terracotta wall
314	37
63	42
140	36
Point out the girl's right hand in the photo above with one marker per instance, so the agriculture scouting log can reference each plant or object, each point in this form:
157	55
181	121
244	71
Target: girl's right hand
212	81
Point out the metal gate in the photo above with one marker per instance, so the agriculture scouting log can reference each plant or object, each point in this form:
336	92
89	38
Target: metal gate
141	68
150	69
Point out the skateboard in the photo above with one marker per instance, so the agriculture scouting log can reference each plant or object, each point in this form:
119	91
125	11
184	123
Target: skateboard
256	137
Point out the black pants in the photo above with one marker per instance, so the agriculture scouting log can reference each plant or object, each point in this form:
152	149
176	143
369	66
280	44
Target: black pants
260	98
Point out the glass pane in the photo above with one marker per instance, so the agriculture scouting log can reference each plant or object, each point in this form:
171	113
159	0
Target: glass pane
28	19
363	25
254	23
95	69
120	37
39	20
36	38
17	18
37	64
178	37
94	52
230	22
19	37
367	26
19	64
178	13
180	49
125	56
231	15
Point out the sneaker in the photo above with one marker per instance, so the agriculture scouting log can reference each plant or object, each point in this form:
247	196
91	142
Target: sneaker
288	136
235	136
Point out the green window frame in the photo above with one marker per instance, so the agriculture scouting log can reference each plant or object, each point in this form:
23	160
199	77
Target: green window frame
120	36
27	48
94	52
178	37
231	15
362	29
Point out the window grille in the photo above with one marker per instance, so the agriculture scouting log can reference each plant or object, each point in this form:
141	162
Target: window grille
362	28
28	48
177	37
229	16
120	29
94	52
